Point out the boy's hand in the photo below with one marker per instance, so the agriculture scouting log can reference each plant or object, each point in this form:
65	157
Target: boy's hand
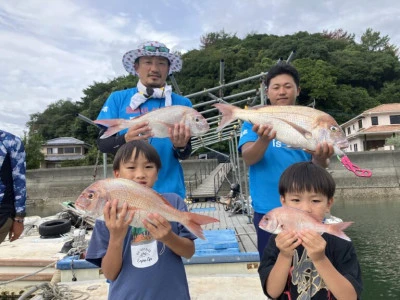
287	241
159	227
314	243
117	221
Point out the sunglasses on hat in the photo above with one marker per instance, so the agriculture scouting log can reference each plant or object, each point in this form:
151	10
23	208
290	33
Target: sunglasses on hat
155	49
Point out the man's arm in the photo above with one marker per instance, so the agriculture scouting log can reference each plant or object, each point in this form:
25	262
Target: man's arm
183	153
18	165
110	144
253	152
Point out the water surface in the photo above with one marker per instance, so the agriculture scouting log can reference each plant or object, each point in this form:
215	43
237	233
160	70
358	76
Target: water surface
376	236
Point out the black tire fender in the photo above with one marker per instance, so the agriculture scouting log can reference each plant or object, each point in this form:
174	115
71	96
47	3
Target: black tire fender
54	227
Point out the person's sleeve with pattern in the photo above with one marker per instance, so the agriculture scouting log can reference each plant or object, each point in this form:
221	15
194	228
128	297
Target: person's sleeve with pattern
18	165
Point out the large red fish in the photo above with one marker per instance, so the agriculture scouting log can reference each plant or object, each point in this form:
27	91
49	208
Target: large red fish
288	218
141	200
297	126
160	120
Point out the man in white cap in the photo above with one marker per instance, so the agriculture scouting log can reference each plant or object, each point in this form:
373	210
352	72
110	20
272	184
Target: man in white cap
152	62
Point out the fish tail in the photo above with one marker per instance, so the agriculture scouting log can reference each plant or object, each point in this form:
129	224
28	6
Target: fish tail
337	230
114	126
193	222
227	112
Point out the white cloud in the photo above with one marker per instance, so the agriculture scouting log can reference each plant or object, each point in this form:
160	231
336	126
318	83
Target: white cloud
53	50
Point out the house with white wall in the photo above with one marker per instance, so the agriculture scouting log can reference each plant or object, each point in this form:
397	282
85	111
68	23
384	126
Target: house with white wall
369	130
62	149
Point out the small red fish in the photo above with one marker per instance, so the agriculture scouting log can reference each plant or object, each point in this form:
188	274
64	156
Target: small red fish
288	218
160	120
141	199
297	126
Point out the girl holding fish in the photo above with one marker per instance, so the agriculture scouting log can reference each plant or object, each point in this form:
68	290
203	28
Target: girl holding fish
143	261
299	262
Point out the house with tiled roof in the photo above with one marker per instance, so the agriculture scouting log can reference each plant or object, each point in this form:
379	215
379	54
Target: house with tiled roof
369	130
62	149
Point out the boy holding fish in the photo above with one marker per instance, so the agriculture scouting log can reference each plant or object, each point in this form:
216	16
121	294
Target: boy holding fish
299	262
152	61
267	156
142	261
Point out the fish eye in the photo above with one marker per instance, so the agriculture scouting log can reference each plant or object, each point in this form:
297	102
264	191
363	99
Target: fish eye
334	128
90	196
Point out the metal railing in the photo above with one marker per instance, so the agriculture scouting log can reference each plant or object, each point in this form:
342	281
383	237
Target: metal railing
197	178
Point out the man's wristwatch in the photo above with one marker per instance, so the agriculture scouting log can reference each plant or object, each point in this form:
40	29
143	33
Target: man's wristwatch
180	149
19	217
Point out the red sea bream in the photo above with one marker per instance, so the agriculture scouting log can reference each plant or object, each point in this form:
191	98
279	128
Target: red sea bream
141	200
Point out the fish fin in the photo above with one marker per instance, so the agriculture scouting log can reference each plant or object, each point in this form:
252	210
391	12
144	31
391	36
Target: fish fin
337	229
166	202
227	114
114	126
193	222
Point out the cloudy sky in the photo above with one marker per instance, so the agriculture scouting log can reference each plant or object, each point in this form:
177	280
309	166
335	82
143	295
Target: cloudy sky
51	50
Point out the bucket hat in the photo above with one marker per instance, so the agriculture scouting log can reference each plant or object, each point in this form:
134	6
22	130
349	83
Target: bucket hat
151	48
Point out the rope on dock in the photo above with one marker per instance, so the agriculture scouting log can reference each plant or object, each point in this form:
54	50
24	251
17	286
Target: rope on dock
27	275
55	292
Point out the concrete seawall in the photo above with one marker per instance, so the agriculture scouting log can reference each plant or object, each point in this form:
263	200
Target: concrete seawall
52	186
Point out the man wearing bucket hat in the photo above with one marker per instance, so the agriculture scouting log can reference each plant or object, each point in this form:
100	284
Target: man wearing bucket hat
152	62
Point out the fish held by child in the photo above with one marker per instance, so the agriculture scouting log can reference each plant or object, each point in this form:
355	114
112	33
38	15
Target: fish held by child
297	126
292	219
141	200
160	120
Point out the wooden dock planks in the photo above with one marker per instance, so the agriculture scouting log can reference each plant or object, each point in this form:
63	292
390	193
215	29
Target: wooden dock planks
245	231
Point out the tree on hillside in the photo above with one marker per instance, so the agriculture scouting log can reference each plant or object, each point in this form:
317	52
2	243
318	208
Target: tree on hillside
373	41
33	145
343	77
339	34
221	39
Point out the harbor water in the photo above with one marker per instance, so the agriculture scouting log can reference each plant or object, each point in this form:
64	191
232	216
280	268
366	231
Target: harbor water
375	233
376	236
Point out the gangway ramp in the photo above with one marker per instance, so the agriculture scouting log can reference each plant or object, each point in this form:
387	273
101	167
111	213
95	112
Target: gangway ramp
212	183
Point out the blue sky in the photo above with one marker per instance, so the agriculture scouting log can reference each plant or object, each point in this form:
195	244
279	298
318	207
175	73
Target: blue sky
52	50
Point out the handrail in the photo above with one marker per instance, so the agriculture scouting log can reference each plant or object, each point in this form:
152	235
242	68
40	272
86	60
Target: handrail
219	177
201	174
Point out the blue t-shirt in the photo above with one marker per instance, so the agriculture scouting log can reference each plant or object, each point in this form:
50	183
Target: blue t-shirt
166	279
170	176
264	175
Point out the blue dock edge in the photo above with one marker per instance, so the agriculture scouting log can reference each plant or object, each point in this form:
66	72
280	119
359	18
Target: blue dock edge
73	262
220	246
